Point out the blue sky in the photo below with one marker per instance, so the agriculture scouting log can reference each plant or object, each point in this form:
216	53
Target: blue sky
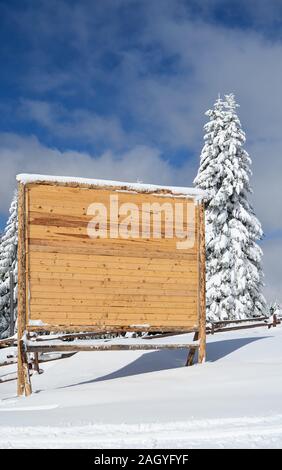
118	89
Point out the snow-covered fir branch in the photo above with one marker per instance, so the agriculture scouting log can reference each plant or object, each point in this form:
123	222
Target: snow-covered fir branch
8	262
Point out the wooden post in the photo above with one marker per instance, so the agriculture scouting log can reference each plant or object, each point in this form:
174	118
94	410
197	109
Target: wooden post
36	362
12	321
25	366
202	285
192	351
24	386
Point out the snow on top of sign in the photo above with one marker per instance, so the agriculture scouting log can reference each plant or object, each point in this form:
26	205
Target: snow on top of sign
33	178
37	323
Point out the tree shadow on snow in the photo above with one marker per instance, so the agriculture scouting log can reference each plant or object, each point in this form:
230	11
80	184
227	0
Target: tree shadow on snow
171	359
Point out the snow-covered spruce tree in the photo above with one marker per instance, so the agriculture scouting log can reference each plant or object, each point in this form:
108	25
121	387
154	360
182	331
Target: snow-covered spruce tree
8	262
233	258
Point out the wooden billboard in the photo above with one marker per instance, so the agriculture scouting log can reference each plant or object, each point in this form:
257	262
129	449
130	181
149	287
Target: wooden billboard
109	257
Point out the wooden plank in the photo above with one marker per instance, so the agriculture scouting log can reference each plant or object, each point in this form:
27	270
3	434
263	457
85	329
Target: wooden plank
83	283
110	287
146	286
64	234
60	305
120	298
76	216
190	267
59	189
112	325
97	193
178	322
122	274
102	260
71	279
168	269
102	273
127	313
75	188
103	291
87	310
107	287
84	247
67	225
45	203
157	314
104	329
78	279
71	274
109	290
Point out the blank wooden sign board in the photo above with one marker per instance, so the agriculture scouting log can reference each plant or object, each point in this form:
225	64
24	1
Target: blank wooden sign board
104	256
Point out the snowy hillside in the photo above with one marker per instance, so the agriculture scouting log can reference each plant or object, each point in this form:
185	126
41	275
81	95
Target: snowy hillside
147	399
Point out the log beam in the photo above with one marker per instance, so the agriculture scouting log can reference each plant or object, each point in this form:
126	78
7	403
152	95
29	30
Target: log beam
202	285
37	347
24	385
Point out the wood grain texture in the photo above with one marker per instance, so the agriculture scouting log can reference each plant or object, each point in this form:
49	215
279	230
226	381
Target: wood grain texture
57	328
23	383
108	282
202	286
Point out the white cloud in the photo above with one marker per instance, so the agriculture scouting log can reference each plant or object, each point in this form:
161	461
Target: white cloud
267	183
210	59
20	154
77	124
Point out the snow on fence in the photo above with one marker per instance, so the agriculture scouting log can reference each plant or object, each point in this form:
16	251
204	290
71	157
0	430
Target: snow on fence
108	257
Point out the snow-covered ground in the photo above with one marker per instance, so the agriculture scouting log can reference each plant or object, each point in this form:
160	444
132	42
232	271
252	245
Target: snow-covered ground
147	399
